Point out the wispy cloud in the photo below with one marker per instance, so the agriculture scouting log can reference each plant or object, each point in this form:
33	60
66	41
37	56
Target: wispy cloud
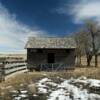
81	10
89	9
13	34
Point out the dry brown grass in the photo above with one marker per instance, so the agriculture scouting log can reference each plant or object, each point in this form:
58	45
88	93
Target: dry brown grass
92	62
32	77
23	78
27	78
88	72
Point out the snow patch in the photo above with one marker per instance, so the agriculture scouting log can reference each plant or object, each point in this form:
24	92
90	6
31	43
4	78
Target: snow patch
67	90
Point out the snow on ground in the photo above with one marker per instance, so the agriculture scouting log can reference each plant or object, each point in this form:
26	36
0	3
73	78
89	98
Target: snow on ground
94	82
68	90
91	82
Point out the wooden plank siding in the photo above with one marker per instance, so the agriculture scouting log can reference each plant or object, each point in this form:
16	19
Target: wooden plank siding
63	57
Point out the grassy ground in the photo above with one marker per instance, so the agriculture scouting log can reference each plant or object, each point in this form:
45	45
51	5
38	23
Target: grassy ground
31	77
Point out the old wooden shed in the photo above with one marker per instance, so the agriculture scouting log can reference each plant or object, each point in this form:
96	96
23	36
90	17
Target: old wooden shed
50	53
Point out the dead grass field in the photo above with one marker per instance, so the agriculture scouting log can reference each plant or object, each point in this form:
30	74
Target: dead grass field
29	77
92	62
26	78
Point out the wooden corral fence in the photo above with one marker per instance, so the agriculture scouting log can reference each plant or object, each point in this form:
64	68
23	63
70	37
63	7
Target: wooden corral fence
9	66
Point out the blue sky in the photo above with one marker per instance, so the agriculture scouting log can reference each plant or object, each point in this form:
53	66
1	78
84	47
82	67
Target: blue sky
20	19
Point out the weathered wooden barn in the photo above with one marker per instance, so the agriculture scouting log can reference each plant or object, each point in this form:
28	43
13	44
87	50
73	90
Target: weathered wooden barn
50	53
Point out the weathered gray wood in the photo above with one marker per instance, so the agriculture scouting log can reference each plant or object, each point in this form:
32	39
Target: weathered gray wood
56	42
8	68
65	58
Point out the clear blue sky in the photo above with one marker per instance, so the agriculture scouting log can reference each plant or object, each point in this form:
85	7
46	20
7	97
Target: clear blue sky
20	19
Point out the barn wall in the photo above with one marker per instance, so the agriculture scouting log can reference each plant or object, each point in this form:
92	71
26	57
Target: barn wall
67	58
61	56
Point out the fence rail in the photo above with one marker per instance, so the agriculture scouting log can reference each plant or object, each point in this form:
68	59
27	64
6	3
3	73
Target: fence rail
8	68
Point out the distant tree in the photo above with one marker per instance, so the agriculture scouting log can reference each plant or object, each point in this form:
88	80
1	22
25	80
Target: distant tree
93	31
79	46
88	42
83	46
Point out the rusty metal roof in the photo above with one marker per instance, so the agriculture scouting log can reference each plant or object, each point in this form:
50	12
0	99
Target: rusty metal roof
35	42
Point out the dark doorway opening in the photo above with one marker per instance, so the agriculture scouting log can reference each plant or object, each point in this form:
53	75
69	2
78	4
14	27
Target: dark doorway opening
51	58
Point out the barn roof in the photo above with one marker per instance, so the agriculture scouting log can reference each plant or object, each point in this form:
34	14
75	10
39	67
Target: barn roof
34	42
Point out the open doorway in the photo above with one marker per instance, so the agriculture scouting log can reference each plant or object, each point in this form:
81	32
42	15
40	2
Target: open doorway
51	58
